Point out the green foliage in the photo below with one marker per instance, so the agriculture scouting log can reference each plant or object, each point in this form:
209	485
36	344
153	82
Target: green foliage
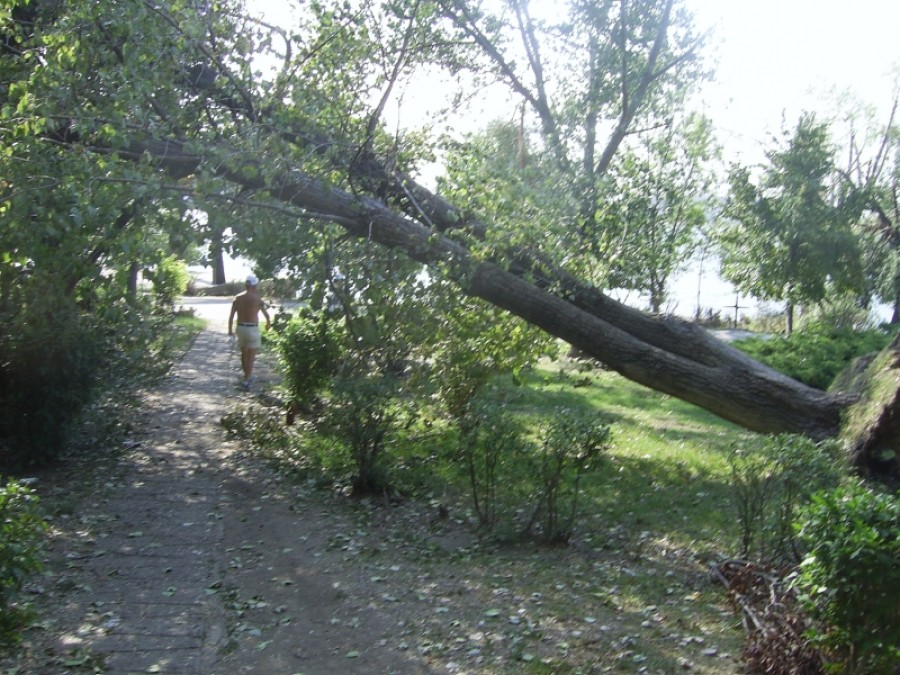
492	450
771	479
789	237
21	531
850	576
524	196
364	413
508	474
51	360
841	311
310	349
573	442
655	207
473	342
817	354
170	279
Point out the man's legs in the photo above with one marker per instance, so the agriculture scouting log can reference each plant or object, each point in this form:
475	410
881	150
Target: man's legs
244	351
248	358
248	338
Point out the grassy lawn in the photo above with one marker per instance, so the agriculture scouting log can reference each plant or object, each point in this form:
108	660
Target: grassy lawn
183	331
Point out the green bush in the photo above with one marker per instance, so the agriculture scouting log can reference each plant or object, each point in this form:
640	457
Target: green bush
772	477
21	530
48	373
491	445
573	441
363	413
850	576
170	279
309	347
816	355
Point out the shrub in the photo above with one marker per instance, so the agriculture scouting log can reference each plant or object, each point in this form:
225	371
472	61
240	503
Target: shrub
772	477
309	346
491	446
850	576
47	374
573	441
170	279
816	355
21	529
363	413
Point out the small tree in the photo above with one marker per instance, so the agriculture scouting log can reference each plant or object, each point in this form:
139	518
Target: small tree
310	349
492	449
787	237
364	411
573	441
650	224
771	480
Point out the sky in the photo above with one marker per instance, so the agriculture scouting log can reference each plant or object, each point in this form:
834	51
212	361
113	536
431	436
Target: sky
774	59
781	57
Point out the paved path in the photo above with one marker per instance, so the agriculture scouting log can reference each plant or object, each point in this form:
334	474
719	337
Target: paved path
154	549
193	558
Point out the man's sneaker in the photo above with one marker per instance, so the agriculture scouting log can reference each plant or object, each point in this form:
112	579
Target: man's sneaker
246	384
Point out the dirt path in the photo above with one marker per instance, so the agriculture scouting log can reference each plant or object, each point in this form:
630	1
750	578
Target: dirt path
192	559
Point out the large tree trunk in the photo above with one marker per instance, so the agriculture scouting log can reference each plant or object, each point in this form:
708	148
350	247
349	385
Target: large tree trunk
666	354
218	261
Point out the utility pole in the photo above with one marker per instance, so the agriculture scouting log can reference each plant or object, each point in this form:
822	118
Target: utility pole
736	306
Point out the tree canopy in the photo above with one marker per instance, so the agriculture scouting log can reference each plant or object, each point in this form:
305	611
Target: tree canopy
112	109
790	236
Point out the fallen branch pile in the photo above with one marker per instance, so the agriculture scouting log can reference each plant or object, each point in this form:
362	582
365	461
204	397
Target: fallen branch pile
775	624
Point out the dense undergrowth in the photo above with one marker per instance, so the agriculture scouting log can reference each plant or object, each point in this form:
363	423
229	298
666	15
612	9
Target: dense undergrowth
817	354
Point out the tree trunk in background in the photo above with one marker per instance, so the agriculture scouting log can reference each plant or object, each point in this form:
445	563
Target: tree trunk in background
895	317
218	259
134	271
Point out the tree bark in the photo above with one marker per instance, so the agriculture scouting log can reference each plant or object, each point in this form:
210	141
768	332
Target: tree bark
218	259
664	353
134	270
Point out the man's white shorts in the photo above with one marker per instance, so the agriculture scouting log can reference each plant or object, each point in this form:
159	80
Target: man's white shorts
248	336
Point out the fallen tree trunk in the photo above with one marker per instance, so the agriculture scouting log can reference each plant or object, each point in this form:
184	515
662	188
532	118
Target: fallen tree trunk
668	355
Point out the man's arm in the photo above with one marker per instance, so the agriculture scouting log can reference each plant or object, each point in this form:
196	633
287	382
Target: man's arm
231	317
265	312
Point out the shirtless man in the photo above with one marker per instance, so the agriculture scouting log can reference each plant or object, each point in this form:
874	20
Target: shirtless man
246	307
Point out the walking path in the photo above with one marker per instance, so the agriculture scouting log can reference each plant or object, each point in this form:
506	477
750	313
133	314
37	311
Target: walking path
155	555
191	560
192	555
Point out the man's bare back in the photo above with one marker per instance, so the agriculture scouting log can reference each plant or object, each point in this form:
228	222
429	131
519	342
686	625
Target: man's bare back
247	306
